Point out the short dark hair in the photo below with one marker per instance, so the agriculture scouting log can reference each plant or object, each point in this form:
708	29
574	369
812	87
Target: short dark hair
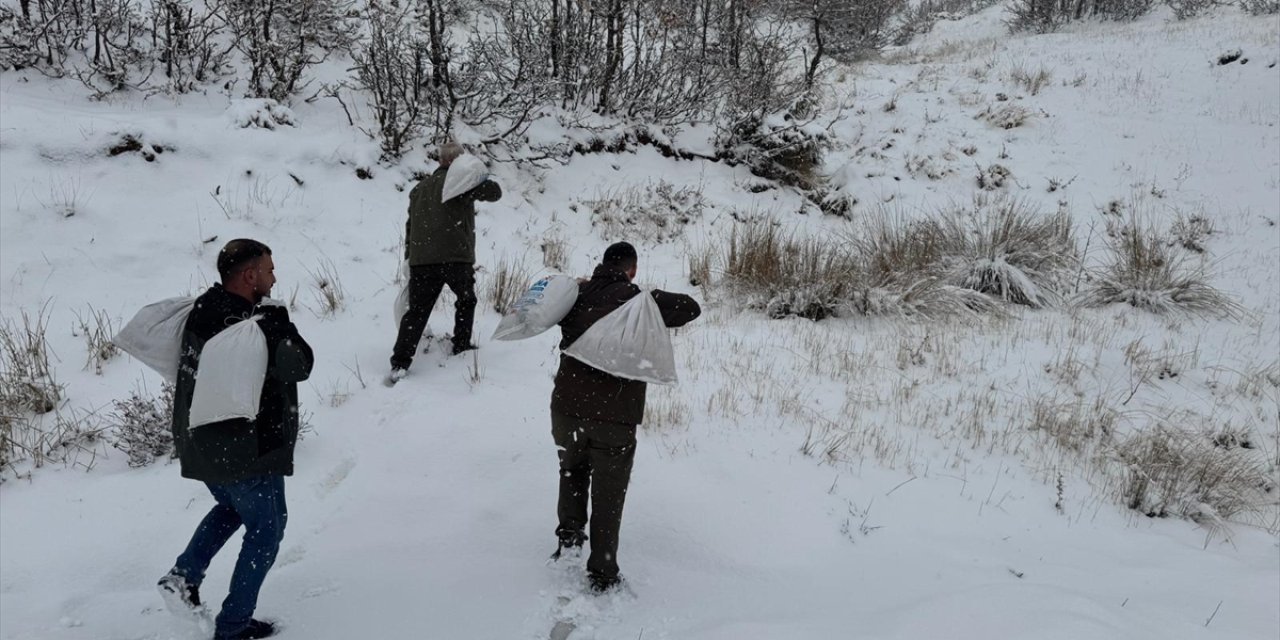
237	254
621	255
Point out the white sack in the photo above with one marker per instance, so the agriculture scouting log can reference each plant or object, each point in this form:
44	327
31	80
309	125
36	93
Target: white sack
631	342
543	306
465	174
233	366
401	305
154	335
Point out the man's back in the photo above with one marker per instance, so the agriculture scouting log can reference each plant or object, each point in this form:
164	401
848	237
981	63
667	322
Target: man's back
440	233
586	392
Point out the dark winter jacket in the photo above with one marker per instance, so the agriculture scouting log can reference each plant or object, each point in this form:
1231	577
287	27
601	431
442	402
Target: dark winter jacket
236	449
437	233
583	391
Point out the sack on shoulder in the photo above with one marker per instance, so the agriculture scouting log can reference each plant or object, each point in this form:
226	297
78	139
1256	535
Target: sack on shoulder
464	174
542	306
154	335
233	367
631	342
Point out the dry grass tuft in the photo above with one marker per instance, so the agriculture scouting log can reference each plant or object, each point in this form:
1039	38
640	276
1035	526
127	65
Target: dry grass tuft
1006	249
1145	273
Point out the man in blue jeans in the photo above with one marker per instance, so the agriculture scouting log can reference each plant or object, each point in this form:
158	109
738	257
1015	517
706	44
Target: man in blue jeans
243	462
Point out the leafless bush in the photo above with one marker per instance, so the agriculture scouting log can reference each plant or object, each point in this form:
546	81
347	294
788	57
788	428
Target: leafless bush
1181	471
1260	7
1031	81
1076	426
1191	231
329	294
1145	273
119	56
189	43
508	282
143	426
919	18
27	384
781	149
1005	248
97	330
1009	116
73	438
789	276
392	71
282	39
1183	9
652	212
1044	16
555	253
700	266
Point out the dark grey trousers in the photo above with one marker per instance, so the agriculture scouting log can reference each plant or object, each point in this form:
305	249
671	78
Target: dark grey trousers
595	464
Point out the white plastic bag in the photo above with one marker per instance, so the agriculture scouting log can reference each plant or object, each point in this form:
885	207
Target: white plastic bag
154	335
465	174
233	366
401	305
543	306
631	342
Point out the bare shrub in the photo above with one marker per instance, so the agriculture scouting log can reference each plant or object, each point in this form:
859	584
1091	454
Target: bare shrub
1191	231
327	289
1145	273
555	253
785	150
1044	16
393	73
1261	7
1184	9
188	43
27	384
282	39
1074	426
1009	116
1031	81
143	426
508	282
654	213
789	276
700	266
97	330
1179	471
1006	249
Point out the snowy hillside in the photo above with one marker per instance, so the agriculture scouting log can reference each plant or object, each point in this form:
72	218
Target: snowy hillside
857	477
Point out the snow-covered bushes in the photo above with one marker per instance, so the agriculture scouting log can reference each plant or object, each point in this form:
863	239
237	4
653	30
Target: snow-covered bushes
1043	16
143	426
648	213
1006	249
97	330
27	384
778	148
1144	272
1181	471
281	39
789	276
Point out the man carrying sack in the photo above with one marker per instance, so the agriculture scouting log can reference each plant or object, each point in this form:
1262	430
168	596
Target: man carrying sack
594	413
242	459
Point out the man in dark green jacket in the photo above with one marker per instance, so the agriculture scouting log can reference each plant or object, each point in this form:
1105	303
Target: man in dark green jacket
243	462
440	246
594	416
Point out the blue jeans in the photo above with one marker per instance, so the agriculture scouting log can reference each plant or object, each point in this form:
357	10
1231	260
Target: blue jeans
258	504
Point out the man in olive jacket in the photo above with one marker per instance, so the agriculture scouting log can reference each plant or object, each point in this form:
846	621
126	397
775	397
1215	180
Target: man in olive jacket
594	416
440	246
243	462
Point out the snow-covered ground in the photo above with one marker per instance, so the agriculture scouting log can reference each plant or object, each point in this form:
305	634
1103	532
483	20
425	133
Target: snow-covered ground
853	478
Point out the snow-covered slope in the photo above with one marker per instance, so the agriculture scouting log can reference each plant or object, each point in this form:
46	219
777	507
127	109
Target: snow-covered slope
853	478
